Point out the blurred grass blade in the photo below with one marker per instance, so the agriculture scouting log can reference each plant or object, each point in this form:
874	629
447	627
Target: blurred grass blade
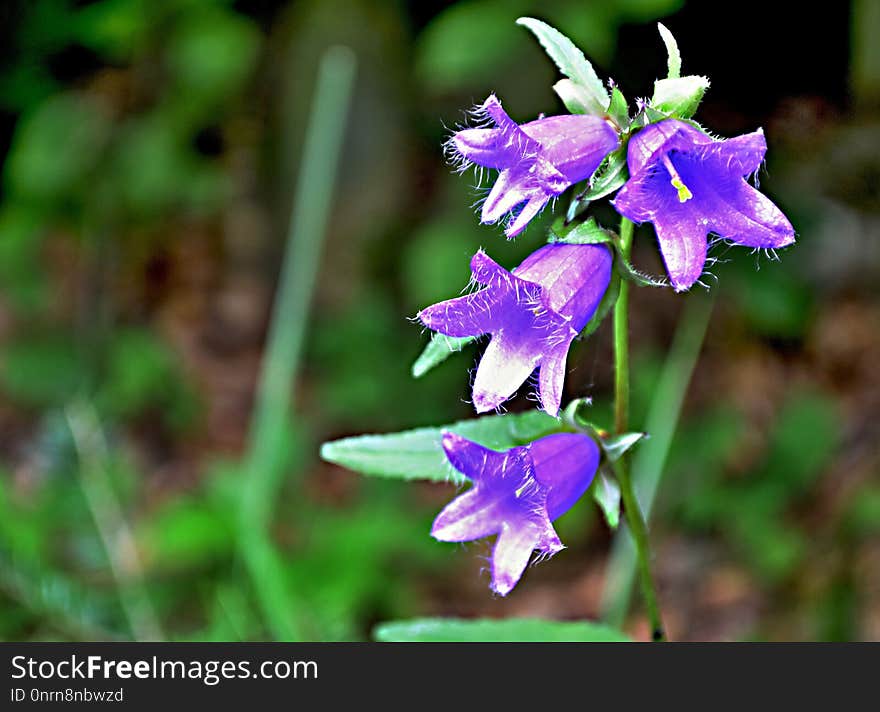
650	458
60	601
865	52
110	522
484	630
269	429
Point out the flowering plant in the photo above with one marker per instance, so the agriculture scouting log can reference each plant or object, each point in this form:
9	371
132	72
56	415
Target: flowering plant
657	166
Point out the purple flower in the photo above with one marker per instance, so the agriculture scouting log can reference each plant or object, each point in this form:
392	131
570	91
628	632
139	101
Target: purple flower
532	313
516	495
537	160
688	184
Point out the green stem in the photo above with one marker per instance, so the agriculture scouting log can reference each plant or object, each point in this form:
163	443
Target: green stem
633	512
649	460
639	533
621	338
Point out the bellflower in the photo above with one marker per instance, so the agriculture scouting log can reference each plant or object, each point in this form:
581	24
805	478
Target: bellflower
516	495
688	184
533	314
538	160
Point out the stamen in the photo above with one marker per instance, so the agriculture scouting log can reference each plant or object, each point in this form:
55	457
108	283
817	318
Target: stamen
684	193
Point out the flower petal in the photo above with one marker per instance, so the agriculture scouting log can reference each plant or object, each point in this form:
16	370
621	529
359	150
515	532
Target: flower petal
743	154
746	216
512	187
683	245
472	315
513	549
485	147
552	377
533	207
574	144
564	464
477	462
505	366
469	516
658	139
501	147
487	271
493	109
573	278
638	199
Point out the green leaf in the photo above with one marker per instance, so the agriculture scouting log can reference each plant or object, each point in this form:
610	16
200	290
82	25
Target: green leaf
571	63
608	177
650	115
606	493
616	445
576	99
631	274
618	109
439	348
418	455
585	233
57	148
674	56
604	308
679	97
511	630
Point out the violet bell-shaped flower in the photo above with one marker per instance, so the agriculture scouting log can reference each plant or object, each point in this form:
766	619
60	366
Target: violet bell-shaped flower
688	184
537	161
516	494
533	314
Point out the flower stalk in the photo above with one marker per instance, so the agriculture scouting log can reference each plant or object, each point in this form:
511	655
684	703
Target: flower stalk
632	511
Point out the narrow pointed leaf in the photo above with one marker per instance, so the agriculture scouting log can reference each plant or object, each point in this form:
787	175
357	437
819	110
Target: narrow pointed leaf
673	62
631	274
616	445
438	349
511	630
618	109
650	115
576	99
585	233
418	455
609	177
679	97
606	493
571	63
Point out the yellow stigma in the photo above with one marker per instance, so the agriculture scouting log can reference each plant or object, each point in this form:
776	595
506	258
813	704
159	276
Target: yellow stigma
684	193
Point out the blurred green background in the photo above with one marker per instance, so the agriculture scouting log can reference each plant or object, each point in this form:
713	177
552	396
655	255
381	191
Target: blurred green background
152	151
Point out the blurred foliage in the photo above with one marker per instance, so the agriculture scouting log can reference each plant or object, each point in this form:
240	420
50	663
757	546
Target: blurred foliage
151	154
755	509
